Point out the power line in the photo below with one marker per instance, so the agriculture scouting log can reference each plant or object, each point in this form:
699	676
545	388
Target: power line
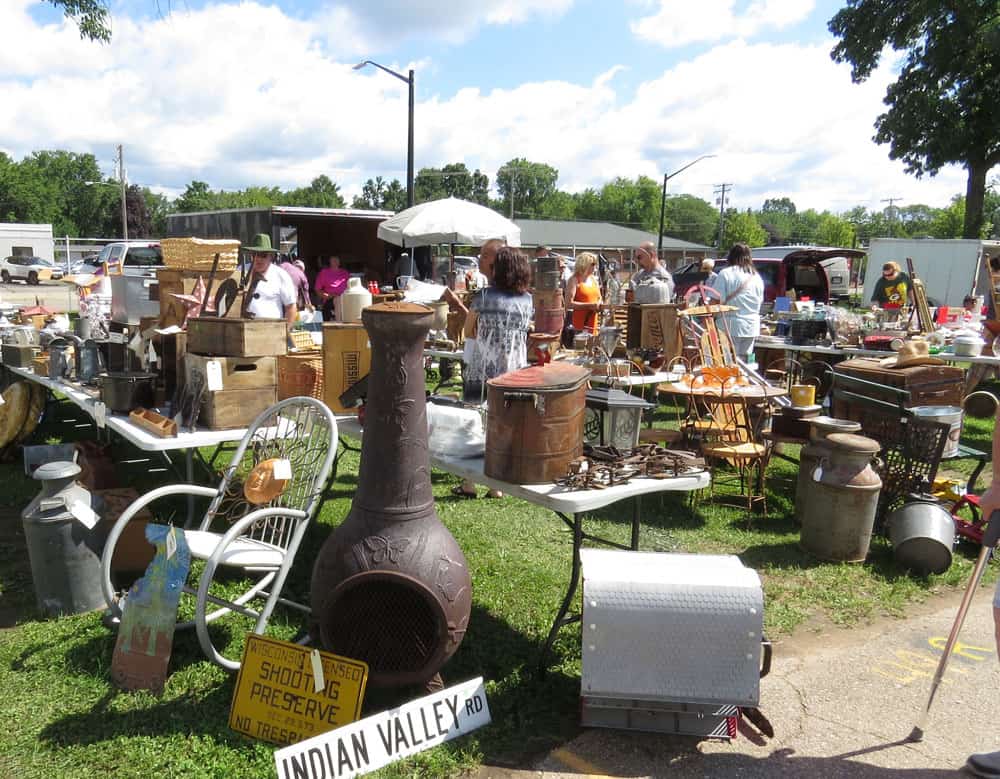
890	201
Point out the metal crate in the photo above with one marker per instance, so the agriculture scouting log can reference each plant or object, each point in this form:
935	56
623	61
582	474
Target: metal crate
671	628
705	721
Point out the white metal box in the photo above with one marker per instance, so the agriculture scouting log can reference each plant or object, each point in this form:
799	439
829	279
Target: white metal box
670	628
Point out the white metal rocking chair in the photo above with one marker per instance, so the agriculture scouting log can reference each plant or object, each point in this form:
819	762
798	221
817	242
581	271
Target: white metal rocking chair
262	538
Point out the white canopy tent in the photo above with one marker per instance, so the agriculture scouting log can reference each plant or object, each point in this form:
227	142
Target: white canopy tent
450	221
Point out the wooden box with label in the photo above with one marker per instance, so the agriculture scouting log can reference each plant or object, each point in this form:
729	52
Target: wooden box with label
229	408
235	372
347	357
654	326
237	337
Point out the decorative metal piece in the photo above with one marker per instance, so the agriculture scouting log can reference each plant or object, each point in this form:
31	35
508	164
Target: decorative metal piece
602	467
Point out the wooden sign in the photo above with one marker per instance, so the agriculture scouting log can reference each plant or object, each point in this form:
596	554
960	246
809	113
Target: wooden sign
146	632
389	736
286	693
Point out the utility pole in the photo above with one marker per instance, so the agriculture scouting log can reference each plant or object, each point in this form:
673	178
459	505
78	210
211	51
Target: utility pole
890	201
720	190
121	178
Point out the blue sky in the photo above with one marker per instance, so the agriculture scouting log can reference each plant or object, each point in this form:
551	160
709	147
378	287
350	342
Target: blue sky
237	94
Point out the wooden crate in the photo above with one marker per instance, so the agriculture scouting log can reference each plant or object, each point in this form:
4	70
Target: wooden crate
928	385
237	337
237	372
654	326
347	357
227	409
182	282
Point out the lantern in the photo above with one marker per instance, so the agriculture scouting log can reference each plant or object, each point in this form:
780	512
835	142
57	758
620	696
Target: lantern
613	418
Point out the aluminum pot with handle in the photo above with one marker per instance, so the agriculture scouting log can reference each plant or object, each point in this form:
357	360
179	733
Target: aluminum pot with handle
922	533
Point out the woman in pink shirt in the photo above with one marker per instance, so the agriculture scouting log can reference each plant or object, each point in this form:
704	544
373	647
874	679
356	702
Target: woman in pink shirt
330	283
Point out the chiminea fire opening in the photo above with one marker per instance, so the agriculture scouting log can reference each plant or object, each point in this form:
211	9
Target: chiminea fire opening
389	620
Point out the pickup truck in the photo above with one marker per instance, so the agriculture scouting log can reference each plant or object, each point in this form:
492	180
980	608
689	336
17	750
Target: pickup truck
132	255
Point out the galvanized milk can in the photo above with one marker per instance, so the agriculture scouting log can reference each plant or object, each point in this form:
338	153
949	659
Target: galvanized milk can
813	452
840	513
65	555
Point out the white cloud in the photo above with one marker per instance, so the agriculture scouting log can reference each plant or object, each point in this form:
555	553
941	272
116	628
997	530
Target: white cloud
678	24
239	95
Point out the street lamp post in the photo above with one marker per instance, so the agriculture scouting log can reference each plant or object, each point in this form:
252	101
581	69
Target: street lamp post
663	198
409	140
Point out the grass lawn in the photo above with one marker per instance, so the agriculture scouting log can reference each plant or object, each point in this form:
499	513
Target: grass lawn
64	718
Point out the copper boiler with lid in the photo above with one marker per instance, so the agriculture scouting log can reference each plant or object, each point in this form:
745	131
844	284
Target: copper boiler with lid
534	425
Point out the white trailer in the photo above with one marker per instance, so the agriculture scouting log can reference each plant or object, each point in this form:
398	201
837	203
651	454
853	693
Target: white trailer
949	267
26	240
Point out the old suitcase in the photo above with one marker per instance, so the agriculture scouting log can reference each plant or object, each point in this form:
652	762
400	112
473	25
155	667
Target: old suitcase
227	409
928	385
534	424
237	337
667	637
237	372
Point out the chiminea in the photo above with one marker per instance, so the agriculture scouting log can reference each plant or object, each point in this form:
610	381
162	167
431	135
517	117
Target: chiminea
391	586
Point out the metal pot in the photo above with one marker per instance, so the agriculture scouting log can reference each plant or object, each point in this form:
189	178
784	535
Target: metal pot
124	391
922	533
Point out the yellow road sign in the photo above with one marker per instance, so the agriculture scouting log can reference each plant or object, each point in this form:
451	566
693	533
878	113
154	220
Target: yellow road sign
276	696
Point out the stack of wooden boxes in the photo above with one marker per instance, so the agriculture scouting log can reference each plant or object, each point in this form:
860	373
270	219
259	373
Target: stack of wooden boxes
246	351
547	298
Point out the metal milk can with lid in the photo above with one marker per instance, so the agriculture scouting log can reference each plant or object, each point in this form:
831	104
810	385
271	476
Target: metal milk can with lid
810	455
840	510
65	555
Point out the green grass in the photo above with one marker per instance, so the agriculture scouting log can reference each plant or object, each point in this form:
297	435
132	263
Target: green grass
64	718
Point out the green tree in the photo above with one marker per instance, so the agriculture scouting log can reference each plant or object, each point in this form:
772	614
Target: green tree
453	180
777	216
942	108
691	219
949	221
633	203
377	195
742	227
559	205
159	208
523	186
196	197
91	16
834	231
322	192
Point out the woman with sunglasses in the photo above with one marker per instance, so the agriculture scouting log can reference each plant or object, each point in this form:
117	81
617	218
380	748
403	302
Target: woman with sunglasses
891	290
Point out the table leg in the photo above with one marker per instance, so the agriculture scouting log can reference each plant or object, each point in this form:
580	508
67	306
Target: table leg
636	516
561	619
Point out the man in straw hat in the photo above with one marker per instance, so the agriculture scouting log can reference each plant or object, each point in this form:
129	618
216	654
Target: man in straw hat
272	293
910	355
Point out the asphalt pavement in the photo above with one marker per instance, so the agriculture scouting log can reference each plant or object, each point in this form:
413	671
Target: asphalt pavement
842	704
55	295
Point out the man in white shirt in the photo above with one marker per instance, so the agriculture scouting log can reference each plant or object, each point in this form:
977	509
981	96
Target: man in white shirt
652	274
272	291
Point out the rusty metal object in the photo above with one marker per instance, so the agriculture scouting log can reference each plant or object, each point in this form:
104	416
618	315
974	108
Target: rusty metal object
391	586
535	423
603	467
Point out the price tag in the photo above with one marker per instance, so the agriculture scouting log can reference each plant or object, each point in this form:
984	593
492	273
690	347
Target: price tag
319	682
282	469
171	542
213	374
151	355
100	414
84	514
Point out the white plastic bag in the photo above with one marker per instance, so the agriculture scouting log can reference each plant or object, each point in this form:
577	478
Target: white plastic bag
455	432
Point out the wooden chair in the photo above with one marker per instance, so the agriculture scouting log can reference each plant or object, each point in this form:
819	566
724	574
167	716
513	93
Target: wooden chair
736	440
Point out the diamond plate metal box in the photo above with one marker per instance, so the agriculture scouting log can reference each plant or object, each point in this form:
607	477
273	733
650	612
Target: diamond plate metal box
671	628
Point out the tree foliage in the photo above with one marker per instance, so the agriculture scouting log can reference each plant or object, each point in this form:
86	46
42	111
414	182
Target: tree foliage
942	108
453	180
691	219
91	16
742	227
524	186
377	195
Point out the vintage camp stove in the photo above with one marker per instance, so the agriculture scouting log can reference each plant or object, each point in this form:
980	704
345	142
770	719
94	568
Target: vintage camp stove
672	643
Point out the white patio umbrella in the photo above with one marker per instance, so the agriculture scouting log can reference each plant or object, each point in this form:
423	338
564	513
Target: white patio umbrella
448	221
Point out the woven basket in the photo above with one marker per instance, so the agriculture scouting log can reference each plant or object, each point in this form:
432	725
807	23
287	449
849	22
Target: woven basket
199	253
303	340
300	374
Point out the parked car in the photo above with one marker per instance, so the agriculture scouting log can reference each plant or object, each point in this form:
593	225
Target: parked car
820	274
31	270
139	256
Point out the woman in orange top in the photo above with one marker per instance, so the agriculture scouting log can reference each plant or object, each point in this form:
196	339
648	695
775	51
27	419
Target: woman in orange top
583	293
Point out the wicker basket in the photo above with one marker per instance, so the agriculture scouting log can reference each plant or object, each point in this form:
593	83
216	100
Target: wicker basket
302	340
300	374
199	253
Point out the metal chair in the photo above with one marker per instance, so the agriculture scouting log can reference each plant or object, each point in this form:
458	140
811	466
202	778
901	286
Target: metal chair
737	442
259	539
